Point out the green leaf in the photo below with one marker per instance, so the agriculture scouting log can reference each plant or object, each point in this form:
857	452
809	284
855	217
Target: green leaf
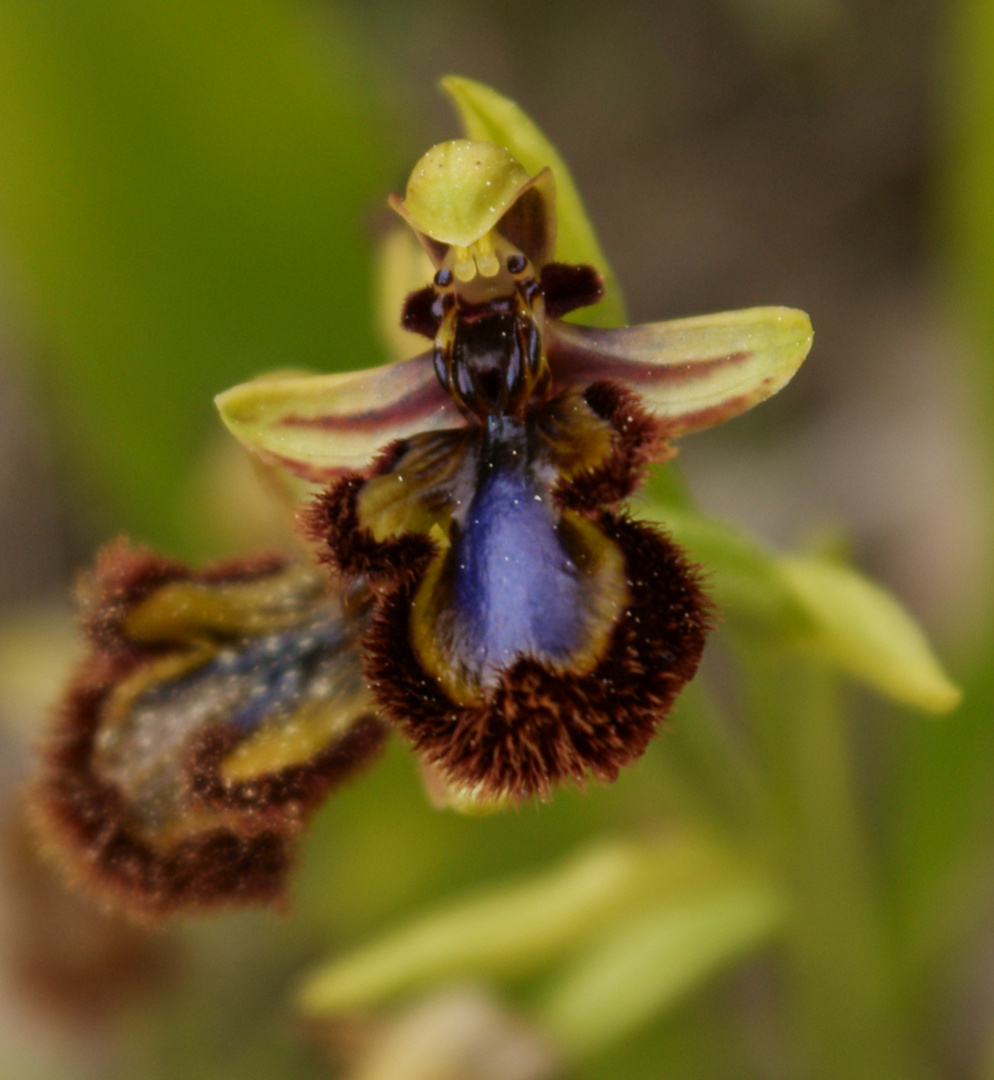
181	206
868	634
515	929
655	961
741	575
817	606
491	117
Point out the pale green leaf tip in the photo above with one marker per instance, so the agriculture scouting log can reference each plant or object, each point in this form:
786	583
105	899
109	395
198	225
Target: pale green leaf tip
475	100
820	607
868	633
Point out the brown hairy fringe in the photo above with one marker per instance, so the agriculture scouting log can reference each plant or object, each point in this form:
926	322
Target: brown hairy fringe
244	857
280	800
81	813
637	440
125	574
349	549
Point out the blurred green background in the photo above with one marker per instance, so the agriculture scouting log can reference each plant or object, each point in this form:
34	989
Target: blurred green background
192	193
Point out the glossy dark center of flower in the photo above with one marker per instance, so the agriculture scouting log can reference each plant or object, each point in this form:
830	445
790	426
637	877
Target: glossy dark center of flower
489	356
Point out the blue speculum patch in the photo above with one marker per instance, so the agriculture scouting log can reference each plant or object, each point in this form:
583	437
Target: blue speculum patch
515	589
259	678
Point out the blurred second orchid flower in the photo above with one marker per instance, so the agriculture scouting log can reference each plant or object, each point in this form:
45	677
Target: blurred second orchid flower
482	588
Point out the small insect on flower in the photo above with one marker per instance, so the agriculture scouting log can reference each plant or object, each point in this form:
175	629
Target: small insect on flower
525	630
476	581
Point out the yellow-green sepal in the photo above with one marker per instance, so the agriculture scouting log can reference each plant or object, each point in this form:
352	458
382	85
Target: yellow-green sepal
694	373
318	426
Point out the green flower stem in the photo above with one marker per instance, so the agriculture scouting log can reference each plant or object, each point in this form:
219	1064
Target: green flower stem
714	767
846	1000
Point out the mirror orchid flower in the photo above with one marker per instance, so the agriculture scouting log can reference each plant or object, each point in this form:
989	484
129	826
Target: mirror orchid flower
476	582
526	631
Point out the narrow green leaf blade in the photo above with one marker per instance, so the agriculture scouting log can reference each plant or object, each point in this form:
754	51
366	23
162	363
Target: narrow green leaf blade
656	961
817	606
516	929
867	633
181	199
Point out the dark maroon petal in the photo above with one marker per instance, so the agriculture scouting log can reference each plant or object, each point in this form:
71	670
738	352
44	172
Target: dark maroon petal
529	223
419	314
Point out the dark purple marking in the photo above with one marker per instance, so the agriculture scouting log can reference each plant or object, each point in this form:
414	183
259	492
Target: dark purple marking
424	399
574	361
419	314
566	288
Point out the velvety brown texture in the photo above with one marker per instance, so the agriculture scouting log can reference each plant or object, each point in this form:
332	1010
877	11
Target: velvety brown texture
349	549
638	440
124	575
285	798
85	816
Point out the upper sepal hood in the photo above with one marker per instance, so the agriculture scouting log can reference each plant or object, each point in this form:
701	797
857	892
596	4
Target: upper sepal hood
462	192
